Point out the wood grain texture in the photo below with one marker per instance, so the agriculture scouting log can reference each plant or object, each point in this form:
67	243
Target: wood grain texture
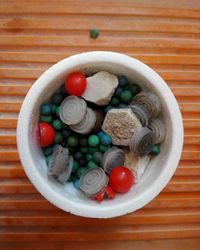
37	34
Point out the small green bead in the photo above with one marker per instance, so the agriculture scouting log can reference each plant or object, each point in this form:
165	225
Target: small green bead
93	140
57	124
94	33
75	166
91	164
57	98
66	133
84	150
103	148
114	101
57	111
47	151
126	96
155	150
84	141
89	157
72	141
78	155
58	137
46	118
97	156
48	159
81	171
93	150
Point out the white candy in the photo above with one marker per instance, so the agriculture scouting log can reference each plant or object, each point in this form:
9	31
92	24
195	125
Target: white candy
100	88
136	164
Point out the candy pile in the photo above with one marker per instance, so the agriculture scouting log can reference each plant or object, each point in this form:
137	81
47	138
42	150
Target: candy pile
100	133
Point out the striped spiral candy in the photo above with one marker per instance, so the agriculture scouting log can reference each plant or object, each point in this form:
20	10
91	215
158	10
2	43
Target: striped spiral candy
72	110
142	113
112	158
142	141
158	129
93	181
150	101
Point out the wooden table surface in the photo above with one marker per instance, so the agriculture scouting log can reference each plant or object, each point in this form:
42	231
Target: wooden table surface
35	35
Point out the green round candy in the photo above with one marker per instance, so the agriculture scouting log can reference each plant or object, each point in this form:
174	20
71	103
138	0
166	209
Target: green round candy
114	101
57	124
84	150
93	140
97	156
126	96
81	171
78	155
103	148
83	141
57	111
94	33
75	166
57	98
47	151
48	159
89	157
58	137
92	150
155	150
134	88
46	118
91	164
66	133
72	141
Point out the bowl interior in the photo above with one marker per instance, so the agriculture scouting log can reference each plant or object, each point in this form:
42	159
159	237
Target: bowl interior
41	92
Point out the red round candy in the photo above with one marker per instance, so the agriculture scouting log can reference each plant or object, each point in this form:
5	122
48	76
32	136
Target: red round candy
46	134
121	179
75	84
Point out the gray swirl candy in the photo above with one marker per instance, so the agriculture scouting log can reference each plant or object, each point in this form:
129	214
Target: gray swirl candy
142	113
93	181
142	141
158	129
113	157
72	110
150	101
87	124
60	165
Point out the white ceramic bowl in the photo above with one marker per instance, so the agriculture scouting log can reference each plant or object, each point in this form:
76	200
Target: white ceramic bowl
161	167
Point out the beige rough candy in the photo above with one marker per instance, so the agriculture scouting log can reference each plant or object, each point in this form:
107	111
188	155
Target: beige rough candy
120	124
136	164
100	88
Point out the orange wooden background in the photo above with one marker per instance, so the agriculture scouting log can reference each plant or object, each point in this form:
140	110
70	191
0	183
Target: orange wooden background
36	34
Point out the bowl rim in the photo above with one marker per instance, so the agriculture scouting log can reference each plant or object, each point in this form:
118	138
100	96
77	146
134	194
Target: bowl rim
88	211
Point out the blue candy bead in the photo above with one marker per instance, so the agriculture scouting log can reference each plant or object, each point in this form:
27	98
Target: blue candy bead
76	184
100	134
122	80
106	140
46	109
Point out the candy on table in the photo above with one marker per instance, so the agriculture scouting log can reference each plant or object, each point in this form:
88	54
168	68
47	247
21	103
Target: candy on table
72	110
75	83
142	113
142	141
100	88
46	134
93	182
150	101
61	164
112	158
121	179
120	124
137	164
94	33
158	129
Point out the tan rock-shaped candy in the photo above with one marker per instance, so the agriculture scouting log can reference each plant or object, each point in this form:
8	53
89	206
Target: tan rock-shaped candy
100	88
136	164
120	124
